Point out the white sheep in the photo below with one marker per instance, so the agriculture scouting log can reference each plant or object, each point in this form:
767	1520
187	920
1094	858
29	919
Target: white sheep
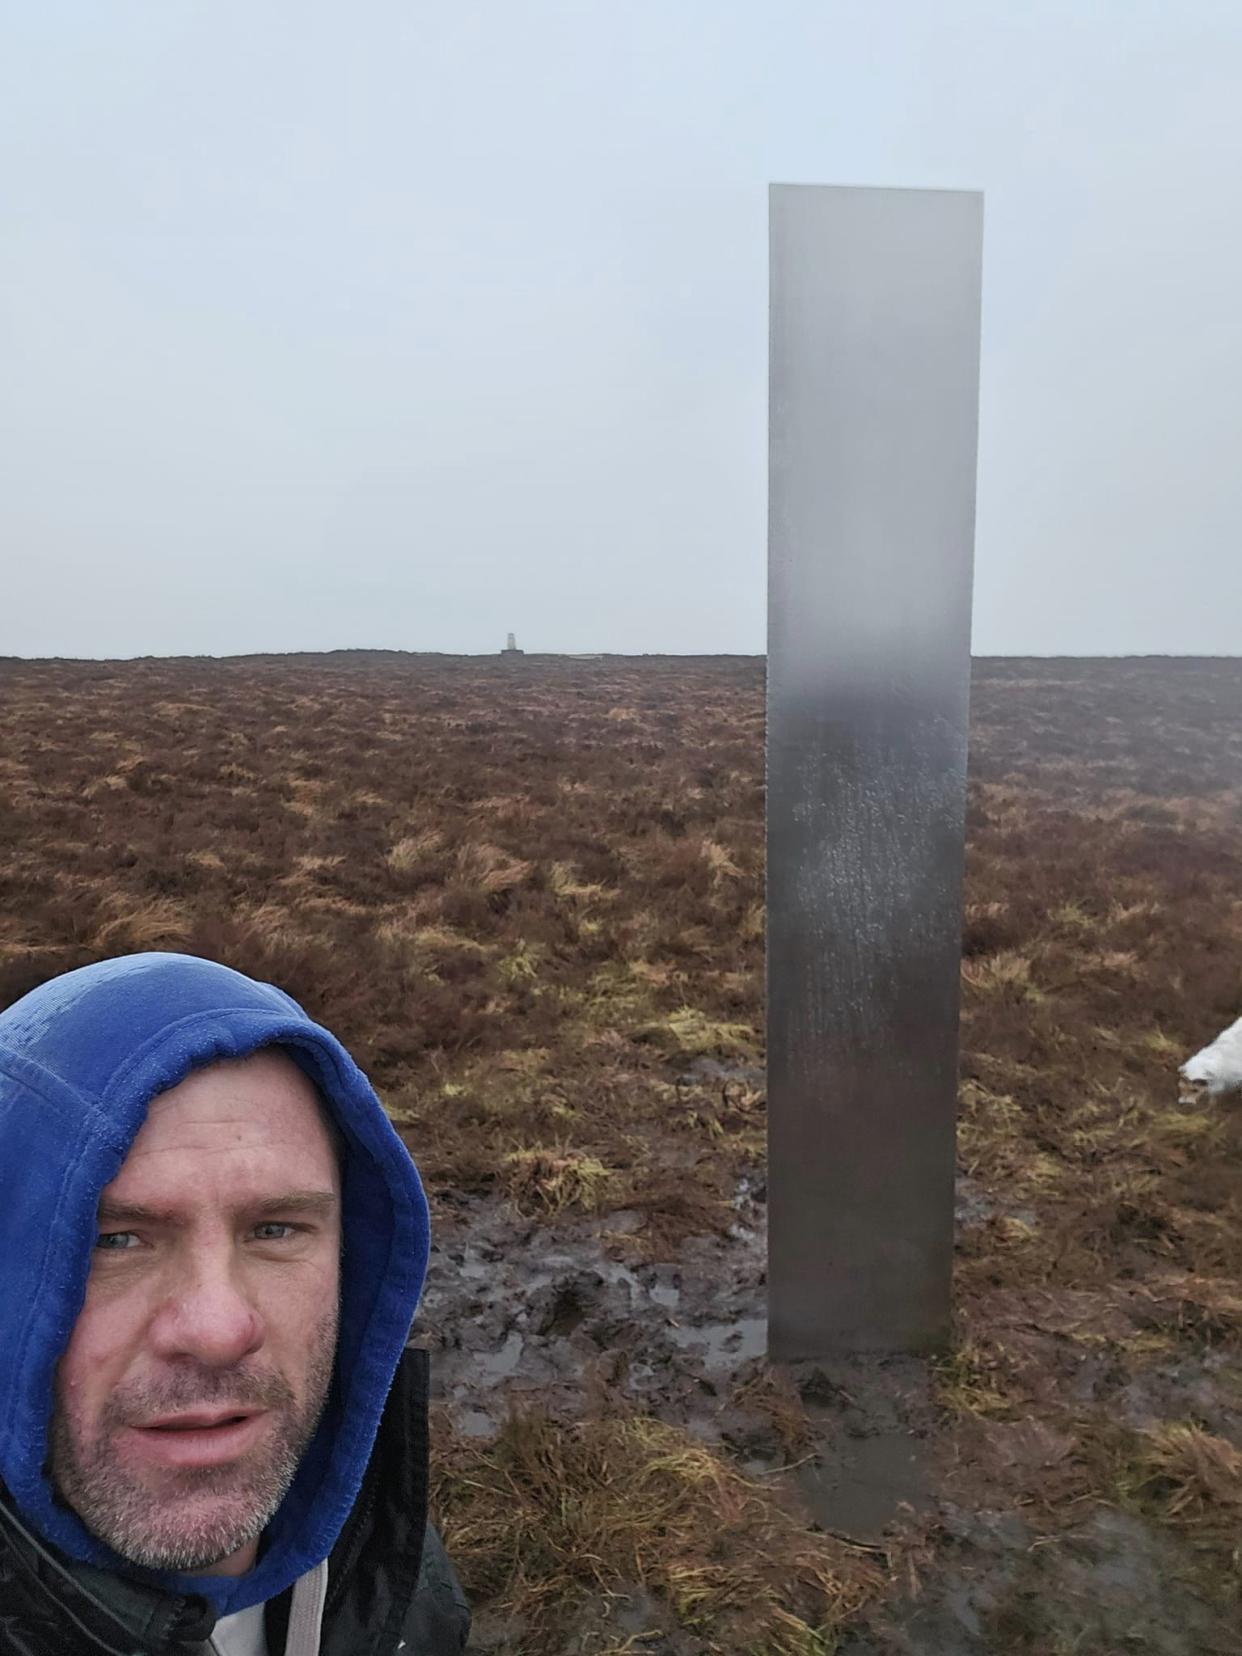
1217	1069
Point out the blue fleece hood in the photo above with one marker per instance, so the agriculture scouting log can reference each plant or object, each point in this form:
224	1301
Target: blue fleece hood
80	1060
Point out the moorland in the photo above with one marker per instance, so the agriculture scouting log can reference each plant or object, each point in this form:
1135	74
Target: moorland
527	892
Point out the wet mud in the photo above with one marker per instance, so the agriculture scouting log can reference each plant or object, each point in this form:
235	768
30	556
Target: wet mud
554	1314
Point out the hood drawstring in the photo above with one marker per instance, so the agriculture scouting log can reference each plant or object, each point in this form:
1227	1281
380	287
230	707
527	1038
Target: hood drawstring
310	1593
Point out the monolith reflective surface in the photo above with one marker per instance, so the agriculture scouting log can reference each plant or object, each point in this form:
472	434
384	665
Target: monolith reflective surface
873	410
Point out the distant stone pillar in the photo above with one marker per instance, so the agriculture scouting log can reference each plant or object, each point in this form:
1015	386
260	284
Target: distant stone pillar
874	369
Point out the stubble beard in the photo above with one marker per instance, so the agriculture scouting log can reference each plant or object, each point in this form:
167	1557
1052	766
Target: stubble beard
190	1519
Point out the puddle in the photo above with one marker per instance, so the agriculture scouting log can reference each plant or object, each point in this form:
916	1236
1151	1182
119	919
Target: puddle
474	1423
866	1482
723	1345
491	1367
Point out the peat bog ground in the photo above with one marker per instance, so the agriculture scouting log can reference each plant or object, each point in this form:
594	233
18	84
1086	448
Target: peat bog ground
528	893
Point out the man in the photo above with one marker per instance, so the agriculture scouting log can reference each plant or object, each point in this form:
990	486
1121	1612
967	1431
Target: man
212	1437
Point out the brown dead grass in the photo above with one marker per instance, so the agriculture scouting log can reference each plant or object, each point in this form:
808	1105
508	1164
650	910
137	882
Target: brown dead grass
547	1515
1194	1480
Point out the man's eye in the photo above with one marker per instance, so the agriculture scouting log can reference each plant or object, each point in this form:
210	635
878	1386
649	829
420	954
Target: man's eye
115	1241
270	1225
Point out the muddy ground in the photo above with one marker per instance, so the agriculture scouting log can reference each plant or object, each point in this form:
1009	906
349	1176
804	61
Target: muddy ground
520	1312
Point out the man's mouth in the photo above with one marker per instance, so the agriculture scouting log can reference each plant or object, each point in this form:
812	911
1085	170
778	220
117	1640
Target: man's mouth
197	1420
197	1438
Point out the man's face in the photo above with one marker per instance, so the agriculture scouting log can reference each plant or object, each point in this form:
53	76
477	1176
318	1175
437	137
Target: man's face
196	1372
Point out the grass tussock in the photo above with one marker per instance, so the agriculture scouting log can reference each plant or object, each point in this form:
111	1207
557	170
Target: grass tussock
1185	1477
546	1181
549	1514
1194	1479
969	1380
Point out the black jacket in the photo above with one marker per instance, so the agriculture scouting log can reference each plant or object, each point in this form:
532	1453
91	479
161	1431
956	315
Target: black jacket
389	1578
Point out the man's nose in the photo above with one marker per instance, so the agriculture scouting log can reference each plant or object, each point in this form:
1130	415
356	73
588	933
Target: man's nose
208	1315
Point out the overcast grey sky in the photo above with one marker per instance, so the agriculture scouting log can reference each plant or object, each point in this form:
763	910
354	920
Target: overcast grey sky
403	325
